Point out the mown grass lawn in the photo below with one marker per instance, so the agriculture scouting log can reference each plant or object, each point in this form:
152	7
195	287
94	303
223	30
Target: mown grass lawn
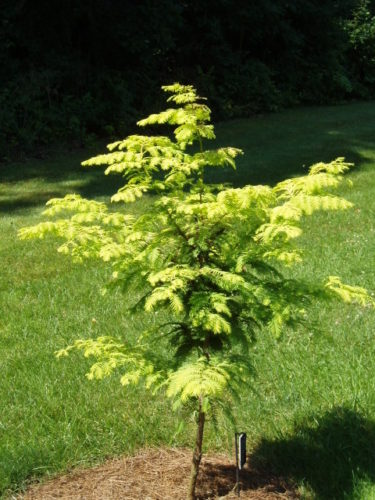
310	410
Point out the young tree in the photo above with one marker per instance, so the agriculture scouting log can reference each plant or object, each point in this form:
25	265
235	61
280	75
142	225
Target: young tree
211	254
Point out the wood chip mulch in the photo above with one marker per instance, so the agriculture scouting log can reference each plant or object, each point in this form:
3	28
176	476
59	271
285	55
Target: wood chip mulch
160	474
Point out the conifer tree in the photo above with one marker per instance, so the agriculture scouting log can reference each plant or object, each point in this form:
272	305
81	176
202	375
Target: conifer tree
211	254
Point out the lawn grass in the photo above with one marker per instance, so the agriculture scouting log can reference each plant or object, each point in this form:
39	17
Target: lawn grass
310	411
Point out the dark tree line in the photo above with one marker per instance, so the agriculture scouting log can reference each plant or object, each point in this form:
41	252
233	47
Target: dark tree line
73	70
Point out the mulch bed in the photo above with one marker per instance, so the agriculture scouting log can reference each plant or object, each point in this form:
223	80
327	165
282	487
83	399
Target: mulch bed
160	474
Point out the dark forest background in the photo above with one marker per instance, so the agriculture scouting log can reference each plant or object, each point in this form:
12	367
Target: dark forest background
72	71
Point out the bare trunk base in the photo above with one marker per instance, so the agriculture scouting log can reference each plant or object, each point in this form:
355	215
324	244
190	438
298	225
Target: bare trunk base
197	455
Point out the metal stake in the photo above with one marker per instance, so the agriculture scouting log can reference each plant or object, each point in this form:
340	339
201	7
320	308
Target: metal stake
240	438
237	468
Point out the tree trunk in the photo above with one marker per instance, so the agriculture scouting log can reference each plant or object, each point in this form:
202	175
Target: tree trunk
197	455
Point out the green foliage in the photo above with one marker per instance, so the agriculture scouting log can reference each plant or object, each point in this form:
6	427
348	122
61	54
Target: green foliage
97	71
37	111
213	256
361	31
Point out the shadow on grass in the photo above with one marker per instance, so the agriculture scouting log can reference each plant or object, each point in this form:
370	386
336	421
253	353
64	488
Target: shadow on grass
87	184
29	200
31	183
330	456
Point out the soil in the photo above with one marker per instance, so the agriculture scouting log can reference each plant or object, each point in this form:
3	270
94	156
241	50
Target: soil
161	474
